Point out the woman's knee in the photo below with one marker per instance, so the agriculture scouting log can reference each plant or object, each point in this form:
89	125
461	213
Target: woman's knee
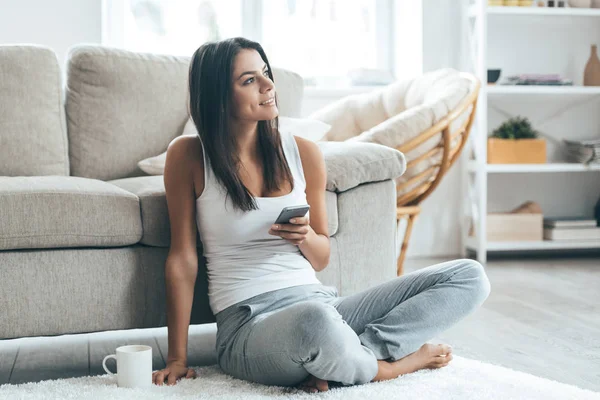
477	275
314	314
315	321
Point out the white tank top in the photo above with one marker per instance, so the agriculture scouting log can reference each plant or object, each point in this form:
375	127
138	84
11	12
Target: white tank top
243	259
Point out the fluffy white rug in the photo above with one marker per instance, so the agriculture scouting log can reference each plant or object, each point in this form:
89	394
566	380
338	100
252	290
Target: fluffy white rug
463	379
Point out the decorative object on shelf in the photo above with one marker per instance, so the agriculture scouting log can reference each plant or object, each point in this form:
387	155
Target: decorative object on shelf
537	79
511	3
529	207
583	151
571	228
493	75
525	3
516	142
591	75
524	223
580	3
595	3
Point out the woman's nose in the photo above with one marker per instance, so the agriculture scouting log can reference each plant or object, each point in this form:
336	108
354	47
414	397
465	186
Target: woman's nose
267	85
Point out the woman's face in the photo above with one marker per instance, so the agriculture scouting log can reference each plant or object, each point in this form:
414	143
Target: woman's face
253	92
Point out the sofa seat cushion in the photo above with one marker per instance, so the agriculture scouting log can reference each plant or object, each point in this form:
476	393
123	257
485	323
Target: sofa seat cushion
153	204
155	215
66	211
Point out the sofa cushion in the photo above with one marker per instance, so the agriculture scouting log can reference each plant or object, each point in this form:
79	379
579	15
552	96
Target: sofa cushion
121	107
63	211
290	90
124	106
155	214
153	204
350	164
33	137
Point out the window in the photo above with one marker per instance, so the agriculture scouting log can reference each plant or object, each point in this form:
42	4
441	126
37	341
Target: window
174	27
322	40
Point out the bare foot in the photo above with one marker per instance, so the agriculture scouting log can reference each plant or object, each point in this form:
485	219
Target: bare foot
313	385
431	356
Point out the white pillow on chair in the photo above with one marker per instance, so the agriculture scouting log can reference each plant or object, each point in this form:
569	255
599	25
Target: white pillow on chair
310	129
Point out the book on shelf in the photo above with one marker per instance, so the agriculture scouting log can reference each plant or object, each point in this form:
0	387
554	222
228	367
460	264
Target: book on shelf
570	222
572	233
583	151
536	80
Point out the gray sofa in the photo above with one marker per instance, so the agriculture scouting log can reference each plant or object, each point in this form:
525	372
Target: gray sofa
84	233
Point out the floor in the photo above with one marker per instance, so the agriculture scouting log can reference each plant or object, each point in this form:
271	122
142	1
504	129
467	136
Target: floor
542	317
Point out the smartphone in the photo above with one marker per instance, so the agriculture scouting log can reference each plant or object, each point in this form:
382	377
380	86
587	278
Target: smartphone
291	212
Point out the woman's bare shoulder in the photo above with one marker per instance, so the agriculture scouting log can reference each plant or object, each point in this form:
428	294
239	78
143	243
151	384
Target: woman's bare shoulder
187	149
309	151
312	160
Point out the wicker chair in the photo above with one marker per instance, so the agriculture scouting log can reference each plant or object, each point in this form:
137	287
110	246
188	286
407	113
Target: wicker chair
430	129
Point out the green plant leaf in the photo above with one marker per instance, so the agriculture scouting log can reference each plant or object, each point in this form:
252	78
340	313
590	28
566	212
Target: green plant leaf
515	128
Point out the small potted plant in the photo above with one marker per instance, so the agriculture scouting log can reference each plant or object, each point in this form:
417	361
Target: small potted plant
516	142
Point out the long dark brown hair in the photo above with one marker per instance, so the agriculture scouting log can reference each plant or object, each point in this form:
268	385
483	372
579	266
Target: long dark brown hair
210	88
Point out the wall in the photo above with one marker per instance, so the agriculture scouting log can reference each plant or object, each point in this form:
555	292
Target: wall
58	24
437	231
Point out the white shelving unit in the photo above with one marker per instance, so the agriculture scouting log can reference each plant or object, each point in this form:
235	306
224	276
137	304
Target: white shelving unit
474	11
487	48
544	90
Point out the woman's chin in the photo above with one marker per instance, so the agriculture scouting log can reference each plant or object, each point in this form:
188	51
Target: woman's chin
271	115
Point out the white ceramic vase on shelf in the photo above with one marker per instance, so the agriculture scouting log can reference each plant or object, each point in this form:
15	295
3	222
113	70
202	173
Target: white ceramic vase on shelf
580	3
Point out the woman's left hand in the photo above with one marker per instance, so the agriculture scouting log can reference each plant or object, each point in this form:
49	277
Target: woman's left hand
295	232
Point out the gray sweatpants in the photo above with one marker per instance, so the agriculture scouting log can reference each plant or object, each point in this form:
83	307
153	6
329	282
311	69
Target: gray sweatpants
280	337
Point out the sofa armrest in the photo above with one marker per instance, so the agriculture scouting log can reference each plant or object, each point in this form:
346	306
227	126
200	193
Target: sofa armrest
363	251
351	164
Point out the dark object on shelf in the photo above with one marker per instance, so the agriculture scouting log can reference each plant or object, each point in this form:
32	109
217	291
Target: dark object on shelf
551	3
493	75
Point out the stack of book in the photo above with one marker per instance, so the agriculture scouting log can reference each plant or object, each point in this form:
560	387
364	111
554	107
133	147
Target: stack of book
583	151
537	79
571	228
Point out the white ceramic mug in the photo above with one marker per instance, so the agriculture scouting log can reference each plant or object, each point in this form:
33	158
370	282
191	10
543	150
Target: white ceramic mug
134	366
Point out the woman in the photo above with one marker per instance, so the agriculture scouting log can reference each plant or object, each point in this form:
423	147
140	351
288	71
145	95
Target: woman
276	323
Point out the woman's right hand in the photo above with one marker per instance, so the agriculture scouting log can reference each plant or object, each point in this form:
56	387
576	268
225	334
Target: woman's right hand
172	373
